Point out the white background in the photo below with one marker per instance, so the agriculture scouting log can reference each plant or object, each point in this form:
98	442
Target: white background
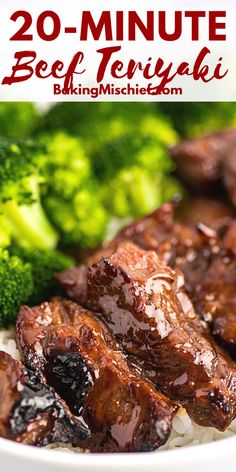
67	45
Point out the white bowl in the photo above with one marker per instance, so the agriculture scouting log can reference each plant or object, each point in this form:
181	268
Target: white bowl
216	456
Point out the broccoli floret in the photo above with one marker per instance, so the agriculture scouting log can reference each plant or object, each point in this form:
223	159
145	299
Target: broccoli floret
71	197
66	165
98	123
18	120
79	119
135	192
138	175
44	265
16	286
126	145
5	232
20	199
132	192
194	118
28	276
81	220
131	150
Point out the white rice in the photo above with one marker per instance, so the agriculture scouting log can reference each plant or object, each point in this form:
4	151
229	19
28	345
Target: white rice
8	344
184	431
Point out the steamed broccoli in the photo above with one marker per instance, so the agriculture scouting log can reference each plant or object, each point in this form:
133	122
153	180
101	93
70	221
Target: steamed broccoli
18	120
132	150
43	266
126	144
135	192
16	284
88	119
71	195
137	173
28	266
20	199
98	123
50	196
194	118
5	232
28	276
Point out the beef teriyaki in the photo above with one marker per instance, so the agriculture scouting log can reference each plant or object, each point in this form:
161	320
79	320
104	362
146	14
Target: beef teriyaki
138	298
83	362
31	412
200	160
215	297
189	247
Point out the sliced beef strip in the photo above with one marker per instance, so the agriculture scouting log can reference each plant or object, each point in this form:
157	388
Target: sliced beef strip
199	160
152	232
138	298
84	363
212	212
215	297
31	412
190	245
204	250
186	246
180	245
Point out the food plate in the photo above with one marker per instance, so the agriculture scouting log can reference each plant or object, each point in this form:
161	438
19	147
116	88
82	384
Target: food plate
220	456
134	349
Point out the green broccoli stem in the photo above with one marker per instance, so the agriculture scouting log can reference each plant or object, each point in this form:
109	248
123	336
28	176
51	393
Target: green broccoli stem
29	223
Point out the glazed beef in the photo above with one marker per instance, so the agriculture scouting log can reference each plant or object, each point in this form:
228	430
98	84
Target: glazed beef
215	297
199	161
203	161
211	212
31	412
189	244
180	245
83	362
152	232
138	297
172	241
192	245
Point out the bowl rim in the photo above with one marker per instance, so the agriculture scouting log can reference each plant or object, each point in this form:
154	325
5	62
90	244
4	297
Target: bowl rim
105	461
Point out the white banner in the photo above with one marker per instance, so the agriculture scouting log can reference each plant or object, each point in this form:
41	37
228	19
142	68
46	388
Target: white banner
171	50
